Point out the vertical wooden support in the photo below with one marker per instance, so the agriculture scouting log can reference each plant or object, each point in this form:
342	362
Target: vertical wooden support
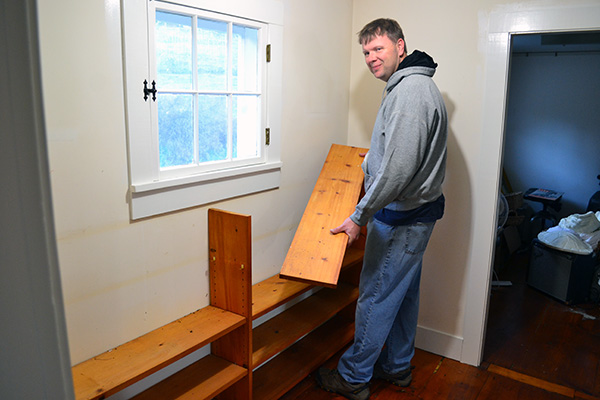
230	259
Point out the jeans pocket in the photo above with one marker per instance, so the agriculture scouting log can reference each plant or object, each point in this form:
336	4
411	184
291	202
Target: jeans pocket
417	237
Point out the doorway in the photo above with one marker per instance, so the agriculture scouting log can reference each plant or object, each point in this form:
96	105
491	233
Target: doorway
502	23
550	141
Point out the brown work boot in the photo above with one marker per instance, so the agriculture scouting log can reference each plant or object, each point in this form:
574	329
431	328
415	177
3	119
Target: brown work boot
402	378
332	381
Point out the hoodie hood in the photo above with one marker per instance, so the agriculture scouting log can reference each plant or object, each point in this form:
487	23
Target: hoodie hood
417	59
418	62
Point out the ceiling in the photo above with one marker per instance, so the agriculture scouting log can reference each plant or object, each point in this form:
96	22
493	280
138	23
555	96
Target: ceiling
588	41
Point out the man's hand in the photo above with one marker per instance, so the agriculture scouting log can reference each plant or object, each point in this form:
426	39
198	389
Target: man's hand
350	229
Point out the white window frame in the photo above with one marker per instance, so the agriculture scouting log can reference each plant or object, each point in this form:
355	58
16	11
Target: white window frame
152	193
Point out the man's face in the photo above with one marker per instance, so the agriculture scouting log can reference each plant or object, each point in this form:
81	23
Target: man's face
383	56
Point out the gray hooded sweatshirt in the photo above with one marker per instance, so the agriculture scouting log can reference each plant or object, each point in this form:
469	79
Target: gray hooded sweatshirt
406	163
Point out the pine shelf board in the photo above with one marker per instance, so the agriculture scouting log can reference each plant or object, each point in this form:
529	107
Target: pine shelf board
353	255
275	291
201	380
109	372
281	331
315	255
283	372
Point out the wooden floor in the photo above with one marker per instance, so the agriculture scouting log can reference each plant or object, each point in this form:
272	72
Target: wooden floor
536	348
531	333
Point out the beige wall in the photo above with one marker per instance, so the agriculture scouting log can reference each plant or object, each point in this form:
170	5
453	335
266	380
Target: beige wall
450	32
121	279
457	35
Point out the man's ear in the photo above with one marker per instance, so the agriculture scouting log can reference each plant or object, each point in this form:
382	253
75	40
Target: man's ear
400	46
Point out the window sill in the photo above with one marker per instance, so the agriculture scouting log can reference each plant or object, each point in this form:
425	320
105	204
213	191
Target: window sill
154	198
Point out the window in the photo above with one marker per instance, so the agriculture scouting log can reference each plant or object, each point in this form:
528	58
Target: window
203	101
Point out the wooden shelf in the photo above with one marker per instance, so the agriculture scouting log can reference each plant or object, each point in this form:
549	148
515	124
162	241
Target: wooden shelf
281	331
283	372
287	347
275	291
225	324
202	380
115	369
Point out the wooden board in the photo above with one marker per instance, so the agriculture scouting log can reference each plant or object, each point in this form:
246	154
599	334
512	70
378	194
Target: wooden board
274	291
281	331
283	372
202	380
315	255
230	261
106	374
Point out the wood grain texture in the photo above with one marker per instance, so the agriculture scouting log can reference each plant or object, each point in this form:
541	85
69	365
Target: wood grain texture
230	261
315	255
539	383
112	371
533	334
274	291
281	331
283	372
202	380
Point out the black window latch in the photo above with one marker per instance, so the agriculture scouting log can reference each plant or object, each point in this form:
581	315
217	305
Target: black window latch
148	91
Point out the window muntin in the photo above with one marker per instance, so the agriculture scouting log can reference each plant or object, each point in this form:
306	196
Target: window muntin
209	110
154	190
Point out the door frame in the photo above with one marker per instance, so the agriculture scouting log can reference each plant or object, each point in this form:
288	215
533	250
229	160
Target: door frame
502	25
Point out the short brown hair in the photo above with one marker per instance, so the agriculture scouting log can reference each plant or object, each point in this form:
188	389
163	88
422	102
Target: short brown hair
380	27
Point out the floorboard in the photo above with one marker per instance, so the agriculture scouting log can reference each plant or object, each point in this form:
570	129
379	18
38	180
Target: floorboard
536	348
534	334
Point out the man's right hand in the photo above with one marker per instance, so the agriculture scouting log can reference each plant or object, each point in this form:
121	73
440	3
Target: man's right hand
349	228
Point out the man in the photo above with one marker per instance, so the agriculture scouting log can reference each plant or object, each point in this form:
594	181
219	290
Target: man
404	170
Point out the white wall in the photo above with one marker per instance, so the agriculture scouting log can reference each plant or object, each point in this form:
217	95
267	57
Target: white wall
35	353
122	279
463	38
453	34
552	124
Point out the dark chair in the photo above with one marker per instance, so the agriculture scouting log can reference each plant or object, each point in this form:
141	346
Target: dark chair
549	200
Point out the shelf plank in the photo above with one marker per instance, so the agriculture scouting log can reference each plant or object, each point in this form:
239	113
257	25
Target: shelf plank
275	291
353	255
283	372
281	331
109	372
315	255
201	380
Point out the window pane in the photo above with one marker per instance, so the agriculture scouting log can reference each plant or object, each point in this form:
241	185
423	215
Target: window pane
246	126
175	129
173	51
212	55
212	127
245	58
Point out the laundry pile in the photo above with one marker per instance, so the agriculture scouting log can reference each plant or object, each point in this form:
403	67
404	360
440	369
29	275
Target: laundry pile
577	234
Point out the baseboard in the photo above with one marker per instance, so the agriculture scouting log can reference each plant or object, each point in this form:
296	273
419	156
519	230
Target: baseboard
440	343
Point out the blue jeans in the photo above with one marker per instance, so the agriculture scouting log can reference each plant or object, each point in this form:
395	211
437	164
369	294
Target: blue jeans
388	302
